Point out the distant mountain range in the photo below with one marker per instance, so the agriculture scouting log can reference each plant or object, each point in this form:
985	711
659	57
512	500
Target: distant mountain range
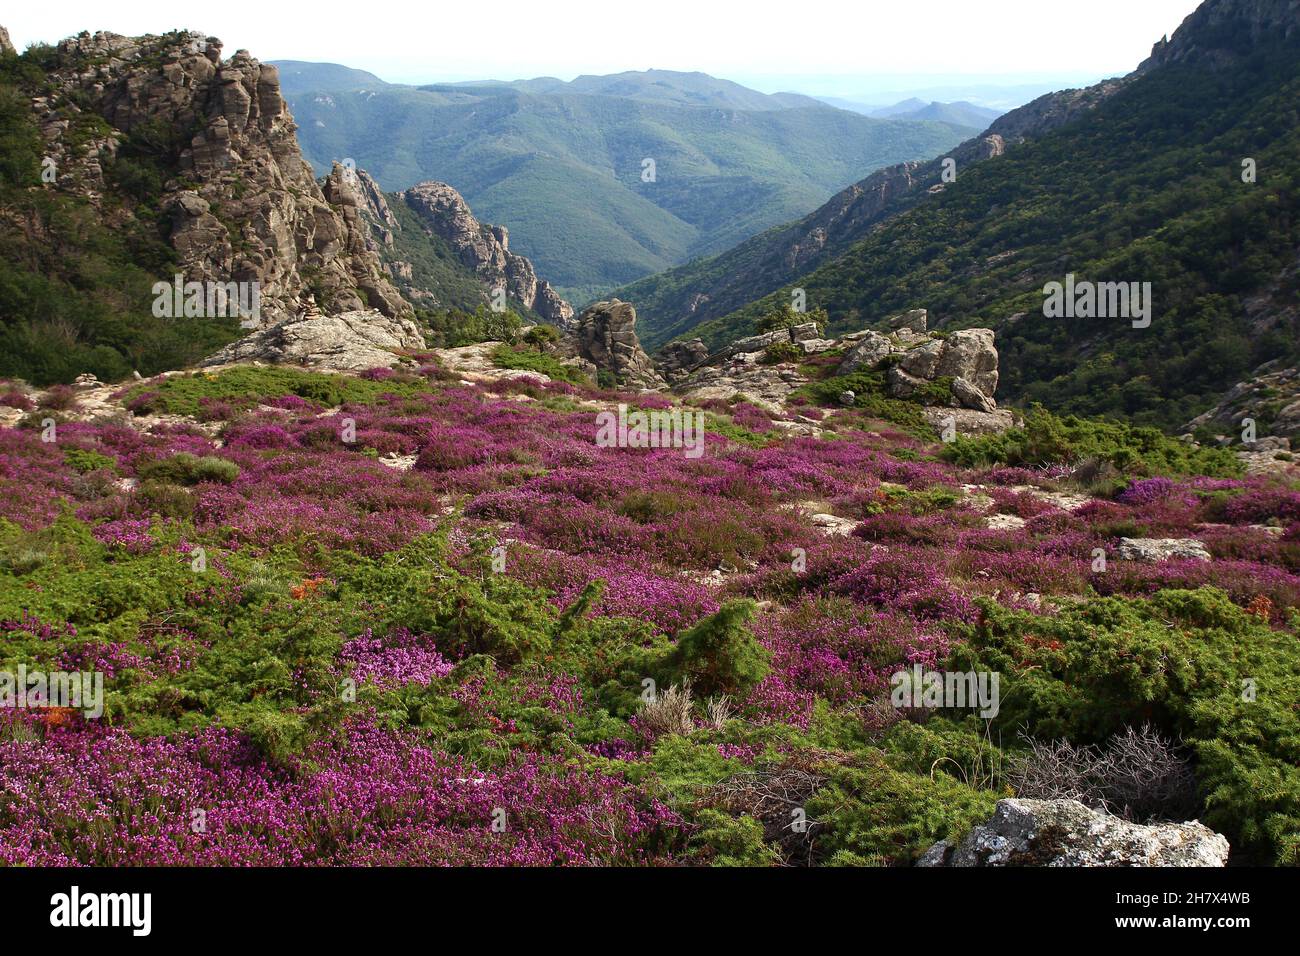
605	179
961	113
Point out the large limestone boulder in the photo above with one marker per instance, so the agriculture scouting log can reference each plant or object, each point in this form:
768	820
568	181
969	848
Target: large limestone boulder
1154	550
1067	833
868	355
606	337
914	320
347	342
676	359
970	354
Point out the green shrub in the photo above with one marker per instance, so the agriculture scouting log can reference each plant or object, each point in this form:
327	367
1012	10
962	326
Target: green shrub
187	469
875	814
779	352
720	654
84	460
505	356
1046	439
182	394
1180	661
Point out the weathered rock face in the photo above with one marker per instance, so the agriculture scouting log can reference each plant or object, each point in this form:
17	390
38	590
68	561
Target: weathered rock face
606	337
1271	396
373	208
756	344
1213	33
486	250
345	342
6	45
676	359
765	385
915	358
1067	833
243	206
1153	550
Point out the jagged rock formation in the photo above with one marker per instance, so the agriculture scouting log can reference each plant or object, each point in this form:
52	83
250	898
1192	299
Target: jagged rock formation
1067	833
676	359
486	250
1248	22
916	358
346	342
6	45
606	337
243	205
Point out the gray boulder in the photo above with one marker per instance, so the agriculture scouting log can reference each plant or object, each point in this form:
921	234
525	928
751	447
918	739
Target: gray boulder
867	355
971	397
914	320
1154	550
923	360
347	342
970	354
1067	833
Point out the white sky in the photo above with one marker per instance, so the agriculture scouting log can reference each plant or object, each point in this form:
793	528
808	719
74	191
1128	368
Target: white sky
434	40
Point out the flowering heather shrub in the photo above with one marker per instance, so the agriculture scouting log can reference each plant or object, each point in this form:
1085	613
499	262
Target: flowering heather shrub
130	534
398	658
96	796
1147	490
519	686
16	399
59	398
1259	505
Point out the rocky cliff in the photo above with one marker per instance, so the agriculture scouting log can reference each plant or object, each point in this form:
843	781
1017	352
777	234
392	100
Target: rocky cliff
483	248
1218	31
238	203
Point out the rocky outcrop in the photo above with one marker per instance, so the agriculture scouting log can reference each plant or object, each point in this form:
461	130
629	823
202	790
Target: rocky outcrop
1155	550
677	359
1217	32
606	337
1271	397
373	208
768	386
916	358
6	45
242	206
345	342
755	345
1067	833
485	249
912	358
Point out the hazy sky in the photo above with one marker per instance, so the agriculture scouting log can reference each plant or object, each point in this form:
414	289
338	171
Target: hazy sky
509	39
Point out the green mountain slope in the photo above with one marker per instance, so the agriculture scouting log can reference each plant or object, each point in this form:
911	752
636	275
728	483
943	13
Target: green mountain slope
564	169
1146	187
